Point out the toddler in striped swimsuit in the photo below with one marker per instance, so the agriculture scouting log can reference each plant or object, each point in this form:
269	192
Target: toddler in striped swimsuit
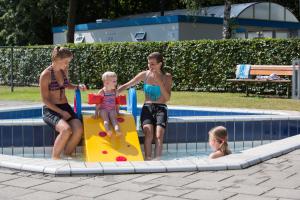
108	109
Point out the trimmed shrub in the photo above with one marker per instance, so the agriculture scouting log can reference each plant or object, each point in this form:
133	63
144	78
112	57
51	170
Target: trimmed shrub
202	65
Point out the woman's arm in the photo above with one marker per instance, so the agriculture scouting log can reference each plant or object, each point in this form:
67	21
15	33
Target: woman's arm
165	86
138	78
73	86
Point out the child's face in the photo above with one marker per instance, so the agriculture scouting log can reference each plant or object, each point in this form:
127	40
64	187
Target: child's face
213	143
111	82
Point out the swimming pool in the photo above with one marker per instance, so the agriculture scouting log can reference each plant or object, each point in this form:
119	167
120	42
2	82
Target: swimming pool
23	132
185	141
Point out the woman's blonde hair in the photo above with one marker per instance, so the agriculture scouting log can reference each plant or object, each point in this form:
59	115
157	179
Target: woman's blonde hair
61	53
107	75
219	133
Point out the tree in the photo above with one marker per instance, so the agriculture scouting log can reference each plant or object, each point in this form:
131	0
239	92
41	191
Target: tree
7	23
162	7
197	4
71	22
24	22
226	20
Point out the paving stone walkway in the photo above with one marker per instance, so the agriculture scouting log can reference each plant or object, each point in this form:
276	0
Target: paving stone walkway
275	179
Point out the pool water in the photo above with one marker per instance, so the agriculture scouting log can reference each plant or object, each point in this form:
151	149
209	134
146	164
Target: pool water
22	131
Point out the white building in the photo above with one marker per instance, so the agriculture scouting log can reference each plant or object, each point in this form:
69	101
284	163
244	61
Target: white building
250	20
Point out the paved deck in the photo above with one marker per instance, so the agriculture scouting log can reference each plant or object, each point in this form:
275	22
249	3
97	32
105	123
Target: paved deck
277	178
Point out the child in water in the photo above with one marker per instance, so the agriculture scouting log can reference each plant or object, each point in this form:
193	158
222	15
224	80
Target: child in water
108	109
218	138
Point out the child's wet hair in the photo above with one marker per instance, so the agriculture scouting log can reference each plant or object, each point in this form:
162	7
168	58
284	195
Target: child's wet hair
61	53
220	134
107	75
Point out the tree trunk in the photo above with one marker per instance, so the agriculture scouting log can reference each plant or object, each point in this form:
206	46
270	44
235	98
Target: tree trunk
162	7
117	8
71	21
226	21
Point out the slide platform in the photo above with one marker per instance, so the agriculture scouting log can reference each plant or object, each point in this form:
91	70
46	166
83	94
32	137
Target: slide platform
99	147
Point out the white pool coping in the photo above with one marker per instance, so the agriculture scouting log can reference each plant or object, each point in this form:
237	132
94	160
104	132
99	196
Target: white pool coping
241	160
266	115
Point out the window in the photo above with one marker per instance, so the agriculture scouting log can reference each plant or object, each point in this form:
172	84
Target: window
262	11
79	39
260	34
282	35
140	36
240	35
277	12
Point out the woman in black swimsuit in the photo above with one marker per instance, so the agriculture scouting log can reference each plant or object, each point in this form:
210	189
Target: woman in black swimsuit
57	113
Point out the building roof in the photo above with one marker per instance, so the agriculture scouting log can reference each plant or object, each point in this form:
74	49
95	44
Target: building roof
264	14
255	10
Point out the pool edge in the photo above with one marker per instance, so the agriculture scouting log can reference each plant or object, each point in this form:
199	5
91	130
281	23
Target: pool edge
241	160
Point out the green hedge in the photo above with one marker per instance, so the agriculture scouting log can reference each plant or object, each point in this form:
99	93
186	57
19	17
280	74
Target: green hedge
202	65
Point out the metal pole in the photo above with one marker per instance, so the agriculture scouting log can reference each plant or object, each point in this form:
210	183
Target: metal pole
298	80
294	80
11	69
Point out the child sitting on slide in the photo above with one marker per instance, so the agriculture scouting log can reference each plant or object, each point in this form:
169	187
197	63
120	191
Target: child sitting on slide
108	109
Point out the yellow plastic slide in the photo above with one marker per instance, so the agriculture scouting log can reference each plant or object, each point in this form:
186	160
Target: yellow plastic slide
100	147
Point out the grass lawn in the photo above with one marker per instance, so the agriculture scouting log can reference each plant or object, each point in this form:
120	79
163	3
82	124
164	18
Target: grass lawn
232	100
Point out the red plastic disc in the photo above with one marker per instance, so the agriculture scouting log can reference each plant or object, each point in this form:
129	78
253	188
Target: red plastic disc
120	119
121	158
102	134
104	152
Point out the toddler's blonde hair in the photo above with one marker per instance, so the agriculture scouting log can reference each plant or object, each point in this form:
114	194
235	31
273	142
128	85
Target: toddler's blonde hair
108	74
219	133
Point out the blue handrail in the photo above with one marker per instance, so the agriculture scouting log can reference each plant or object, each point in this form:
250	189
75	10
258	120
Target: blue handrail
132	102
77	103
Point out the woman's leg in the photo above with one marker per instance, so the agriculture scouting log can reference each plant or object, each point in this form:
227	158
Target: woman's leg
75	138
65	131
159	137
161	122
148	132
